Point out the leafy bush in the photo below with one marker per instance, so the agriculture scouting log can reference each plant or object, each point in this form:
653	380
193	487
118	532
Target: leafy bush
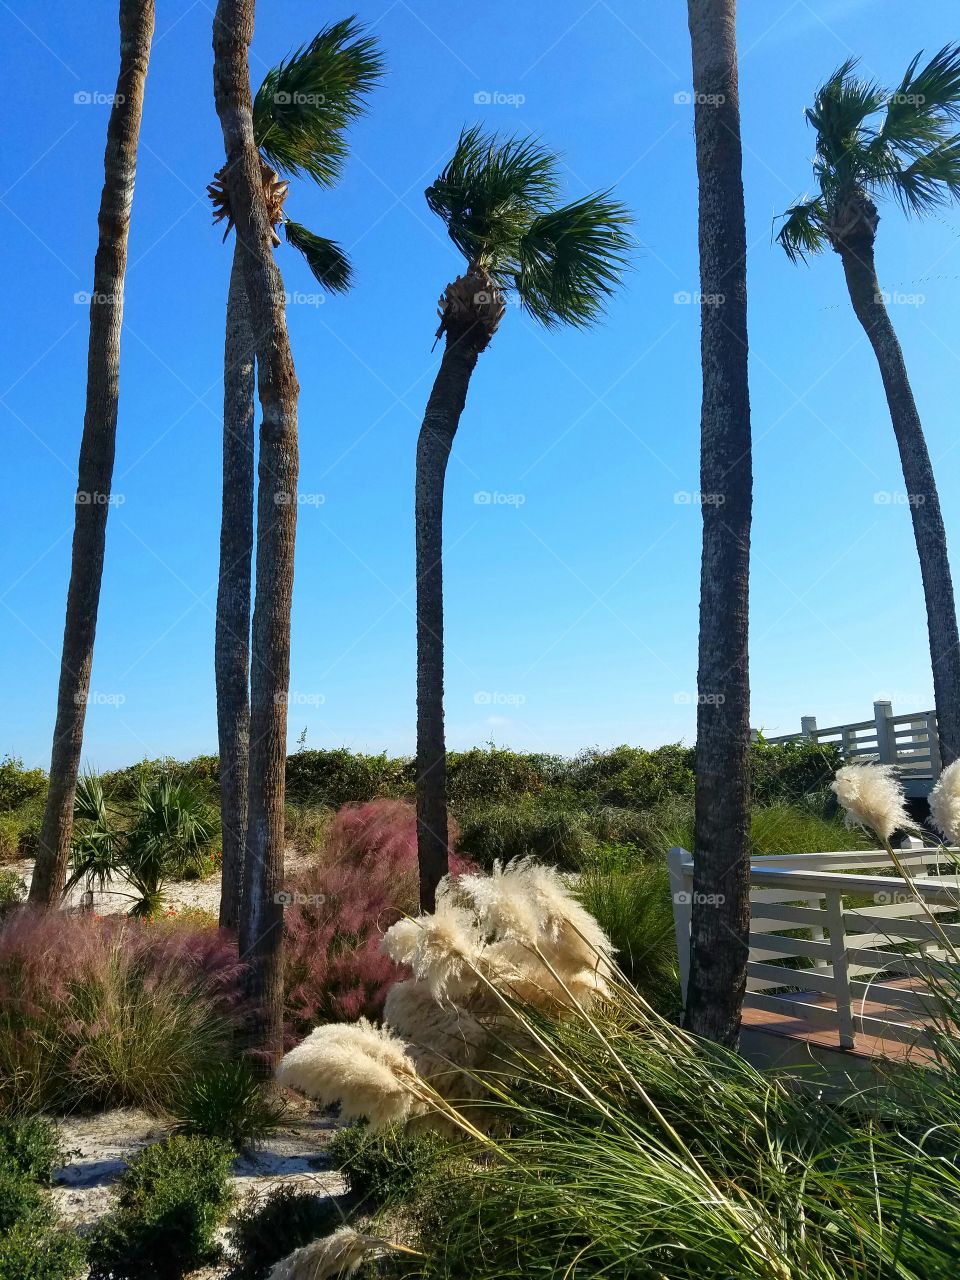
365	880
19	785
783	773
31	1147
263	1232
12	890
21	1199
384	1164
631	776
201	774
173	1198
338	777
34	1251
98	1013
635	910
502	832
496	774
229	1102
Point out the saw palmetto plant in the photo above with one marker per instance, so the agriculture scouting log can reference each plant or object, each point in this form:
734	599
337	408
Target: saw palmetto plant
300	116
874	143
499	199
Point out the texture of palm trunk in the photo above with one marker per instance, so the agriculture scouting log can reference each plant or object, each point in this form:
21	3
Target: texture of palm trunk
232	642
261	923
721	906
439	427
864	289
97	449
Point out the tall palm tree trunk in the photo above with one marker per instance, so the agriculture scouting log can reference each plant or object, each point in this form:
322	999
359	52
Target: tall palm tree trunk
721	906
97	449
864	289
261	924
232	643
439	427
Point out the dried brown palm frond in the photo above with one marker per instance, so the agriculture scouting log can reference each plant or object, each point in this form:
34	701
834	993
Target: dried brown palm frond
274	193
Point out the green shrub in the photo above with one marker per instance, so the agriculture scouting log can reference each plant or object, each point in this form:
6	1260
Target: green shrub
505	831
635	909
229	1102
338	777
785	828
631	776
21	1199
201	773
268	1229
493	773
785	772
173	1198
12	889
381	1165
20	829
19	785
33	1251
30	1147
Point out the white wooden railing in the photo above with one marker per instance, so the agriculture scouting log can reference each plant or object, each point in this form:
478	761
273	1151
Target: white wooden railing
910	742
857	950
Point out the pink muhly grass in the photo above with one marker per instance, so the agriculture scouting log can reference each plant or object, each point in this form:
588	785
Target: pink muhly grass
366	881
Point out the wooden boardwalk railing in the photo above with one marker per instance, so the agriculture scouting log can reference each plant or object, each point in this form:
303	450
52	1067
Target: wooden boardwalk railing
836	948
909	741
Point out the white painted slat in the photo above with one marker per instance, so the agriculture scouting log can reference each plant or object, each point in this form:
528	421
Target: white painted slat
918	1002
807	979
817	1015
901	1032
773	945
783	917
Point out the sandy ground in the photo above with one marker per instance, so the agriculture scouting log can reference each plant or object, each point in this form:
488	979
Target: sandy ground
99	1146
116	900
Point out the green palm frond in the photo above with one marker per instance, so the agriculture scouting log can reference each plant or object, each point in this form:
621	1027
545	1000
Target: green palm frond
873	142
490	191
570	260
306	102
325	258
803	231
498	197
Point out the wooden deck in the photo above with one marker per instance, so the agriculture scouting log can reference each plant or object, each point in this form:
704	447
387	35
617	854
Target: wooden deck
798	1027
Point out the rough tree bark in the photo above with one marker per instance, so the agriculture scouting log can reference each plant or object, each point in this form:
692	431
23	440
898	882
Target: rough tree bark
440	423
232	643
97	449
261	924
856	253
721	906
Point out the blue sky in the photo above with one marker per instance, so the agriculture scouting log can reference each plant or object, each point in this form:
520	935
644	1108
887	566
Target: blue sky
571	604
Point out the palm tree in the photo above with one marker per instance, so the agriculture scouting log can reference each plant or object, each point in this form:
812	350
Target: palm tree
721	905
97	448
873	143
261	927
498	200
300	114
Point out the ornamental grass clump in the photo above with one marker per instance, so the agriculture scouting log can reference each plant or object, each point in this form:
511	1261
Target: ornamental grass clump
518	934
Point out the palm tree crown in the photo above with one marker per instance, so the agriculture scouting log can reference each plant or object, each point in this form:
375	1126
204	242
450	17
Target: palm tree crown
875	142
498	198
300	116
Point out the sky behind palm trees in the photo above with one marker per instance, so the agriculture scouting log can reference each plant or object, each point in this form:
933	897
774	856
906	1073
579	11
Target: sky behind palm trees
572	524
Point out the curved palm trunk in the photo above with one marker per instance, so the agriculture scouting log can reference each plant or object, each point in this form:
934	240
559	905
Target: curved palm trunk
261	924
232	643
439	427
97	448
721	906
864	289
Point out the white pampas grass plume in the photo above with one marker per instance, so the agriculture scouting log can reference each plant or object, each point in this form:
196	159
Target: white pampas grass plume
365	1068
447	950
399	942
945	803
337	1256
872	796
